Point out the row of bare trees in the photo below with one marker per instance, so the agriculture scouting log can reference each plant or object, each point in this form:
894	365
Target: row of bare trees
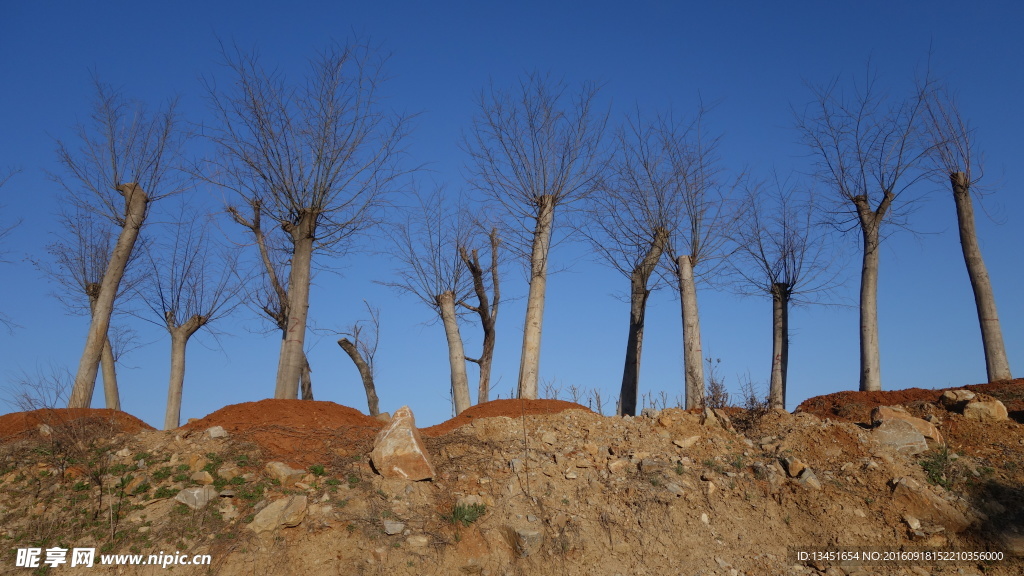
310	165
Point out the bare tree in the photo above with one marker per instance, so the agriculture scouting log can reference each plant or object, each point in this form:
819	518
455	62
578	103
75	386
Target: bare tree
783	252
867	151
126	160
78	259
188	286
487	287
427	246
697	243
314	157
362	349
953	152
534	148
629	224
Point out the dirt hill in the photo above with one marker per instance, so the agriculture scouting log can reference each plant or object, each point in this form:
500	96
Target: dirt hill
535	487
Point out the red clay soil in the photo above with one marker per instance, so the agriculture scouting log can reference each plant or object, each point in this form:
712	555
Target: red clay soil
854	406
509	408
21	423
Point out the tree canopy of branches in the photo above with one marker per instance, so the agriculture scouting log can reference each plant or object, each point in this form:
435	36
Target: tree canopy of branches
533	148
783	252
953	153
126	159
867	150
188	285
315	158
629	223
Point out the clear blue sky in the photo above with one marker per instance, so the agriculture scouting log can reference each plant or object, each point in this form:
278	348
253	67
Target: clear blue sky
753	57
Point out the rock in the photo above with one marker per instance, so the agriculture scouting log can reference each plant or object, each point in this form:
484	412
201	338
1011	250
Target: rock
956	399
197	462
549	438
196	498
708	418
419	541
807	478
286	512
687	442
704	518
123	453
392	527
882	414
398	451
616	466
44	429
901	436
525	541
920	502
284	473
991	410
793	465
217	432
652	413
912	522
383	417
202	477
229	471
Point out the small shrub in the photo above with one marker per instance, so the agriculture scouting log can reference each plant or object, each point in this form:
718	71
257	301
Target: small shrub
333	482
466	514
940	468
164	492
317	469
163	473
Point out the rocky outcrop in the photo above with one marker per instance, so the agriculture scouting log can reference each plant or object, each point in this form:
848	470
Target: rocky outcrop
398	451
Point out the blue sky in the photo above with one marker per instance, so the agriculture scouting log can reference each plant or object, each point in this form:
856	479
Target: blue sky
754	58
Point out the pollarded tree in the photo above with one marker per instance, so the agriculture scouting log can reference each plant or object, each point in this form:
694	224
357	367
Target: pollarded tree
189	283
697	241
78	258
867	150
315	157
125	160
953	153
432	269
629	223
533	149
782	252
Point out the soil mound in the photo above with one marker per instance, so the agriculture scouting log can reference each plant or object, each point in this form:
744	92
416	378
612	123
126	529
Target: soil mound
25	423
852	406
297	432
508	408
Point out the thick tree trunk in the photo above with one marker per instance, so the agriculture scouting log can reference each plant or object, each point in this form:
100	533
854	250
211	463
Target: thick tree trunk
179	340
529	364
292	362
456	353
780	345
364	372
870	358
997	365
637	311
107	364
307	380
693	361
135	200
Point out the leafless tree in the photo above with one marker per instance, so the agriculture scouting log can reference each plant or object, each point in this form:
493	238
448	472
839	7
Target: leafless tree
362	348
78	259
432	269
189	284
314	158
953	153
782	252
867	150
487	288
629	223
532	149
697	244
126	159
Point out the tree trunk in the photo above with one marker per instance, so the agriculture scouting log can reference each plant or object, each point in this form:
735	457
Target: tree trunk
693	361
637	311
179	340
486	309
364	372
307	380
529	364
292	362
997	366
870	359
780	345
135	200
456	353
110	392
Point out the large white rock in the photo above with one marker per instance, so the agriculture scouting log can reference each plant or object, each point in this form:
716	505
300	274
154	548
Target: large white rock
398	451
196	498
986	410
285	513
882	413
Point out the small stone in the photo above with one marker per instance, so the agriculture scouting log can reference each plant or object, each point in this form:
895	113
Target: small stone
44	429
202	477
392	527
417	541
123	453
196	498
704	518
793	465
284	473
687	442
807	478
217	432
525	541
549	438
616	466
956	399
229	471
912	522
287	512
